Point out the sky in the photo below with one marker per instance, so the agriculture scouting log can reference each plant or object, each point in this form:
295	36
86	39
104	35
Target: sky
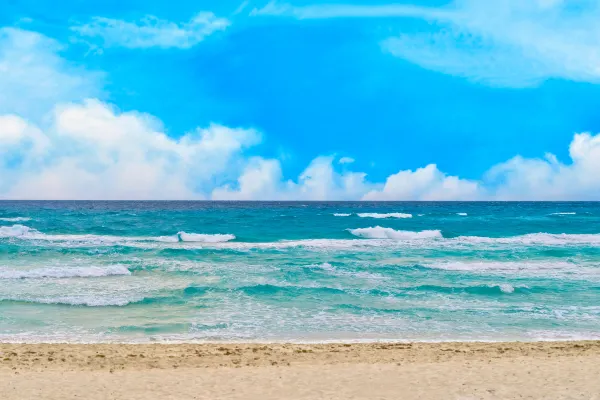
300	100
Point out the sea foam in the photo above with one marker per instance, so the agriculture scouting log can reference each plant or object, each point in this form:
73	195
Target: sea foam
379	232
16	231
381	216
65	272
379	236
78	300
503	266
15	219
25	232
542	239
204	238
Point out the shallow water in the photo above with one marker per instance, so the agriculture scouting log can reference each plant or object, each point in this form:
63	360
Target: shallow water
140	271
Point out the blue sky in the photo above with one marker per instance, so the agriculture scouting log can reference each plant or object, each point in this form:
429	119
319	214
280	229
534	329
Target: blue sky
442	100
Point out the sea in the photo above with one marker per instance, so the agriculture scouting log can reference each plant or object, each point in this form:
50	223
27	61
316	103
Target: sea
94	271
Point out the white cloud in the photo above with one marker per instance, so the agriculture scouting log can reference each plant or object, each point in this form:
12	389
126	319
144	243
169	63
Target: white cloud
91	151
151	31
517	179
87	149
346	160
34	77
320	181
549	179
263	180
512	43
428	183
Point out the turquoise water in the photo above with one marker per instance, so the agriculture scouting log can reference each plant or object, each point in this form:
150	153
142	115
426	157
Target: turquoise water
205	271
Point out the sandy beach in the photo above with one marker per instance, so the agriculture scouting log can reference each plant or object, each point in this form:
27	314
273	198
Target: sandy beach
547	370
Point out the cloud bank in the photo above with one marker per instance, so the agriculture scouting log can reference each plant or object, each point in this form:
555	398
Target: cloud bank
90	150
85	148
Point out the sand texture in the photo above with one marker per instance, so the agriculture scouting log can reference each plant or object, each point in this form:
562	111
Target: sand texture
550	370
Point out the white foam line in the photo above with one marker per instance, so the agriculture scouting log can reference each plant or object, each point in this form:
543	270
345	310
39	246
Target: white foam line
382	216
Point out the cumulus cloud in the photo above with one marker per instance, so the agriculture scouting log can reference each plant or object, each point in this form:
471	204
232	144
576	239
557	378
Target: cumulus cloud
511	43
549	179
516	179
92	151
428	183
151	31
320	181
346	160
262	179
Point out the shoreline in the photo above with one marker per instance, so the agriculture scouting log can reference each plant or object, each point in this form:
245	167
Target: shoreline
315	342
385	370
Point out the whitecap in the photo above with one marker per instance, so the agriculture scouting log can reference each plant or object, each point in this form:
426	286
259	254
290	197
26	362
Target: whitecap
341	215
25	232
204	238
506	288
543	239
462	214
17	231
563	213
381	216
379	232
15	219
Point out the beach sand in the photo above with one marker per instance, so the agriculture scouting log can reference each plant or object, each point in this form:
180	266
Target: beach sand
542	370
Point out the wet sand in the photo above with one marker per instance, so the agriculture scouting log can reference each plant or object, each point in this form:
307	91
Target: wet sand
542	370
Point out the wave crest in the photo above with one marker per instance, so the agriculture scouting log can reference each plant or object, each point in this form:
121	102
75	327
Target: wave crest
204	238
25	232
382	216
379	232
15	219
543	239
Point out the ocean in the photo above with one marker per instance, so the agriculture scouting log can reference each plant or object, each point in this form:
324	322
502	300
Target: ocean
96	271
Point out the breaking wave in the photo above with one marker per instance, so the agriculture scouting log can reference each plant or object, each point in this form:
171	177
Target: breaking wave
25	232
379	232
381	216
372	236
543	239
